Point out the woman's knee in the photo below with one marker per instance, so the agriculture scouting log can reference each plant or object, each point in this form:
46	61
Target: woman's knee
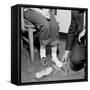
45	27
44	31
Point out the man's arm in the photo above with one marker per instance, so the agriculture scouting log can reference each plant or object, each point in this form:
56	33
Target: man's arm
84	28
71	32
70	39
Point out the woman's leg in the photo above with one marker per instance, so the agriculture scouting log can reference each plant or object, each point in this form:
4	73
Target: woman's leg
54	36
38	19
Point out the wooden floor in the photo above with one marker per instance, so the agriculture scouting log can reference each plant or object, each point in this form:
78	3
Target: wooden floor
28	69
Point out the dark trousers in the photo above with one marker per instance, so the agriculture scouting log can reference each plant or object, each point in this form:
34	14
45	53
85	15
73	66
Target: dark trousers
49	31
78	56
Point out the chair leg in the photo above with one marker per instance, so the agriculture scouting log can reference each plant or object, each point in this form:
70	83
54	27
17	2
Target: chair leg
30	34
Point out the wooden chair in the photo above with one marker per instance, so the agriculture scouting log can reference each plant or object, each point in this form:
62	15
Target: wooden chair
30	28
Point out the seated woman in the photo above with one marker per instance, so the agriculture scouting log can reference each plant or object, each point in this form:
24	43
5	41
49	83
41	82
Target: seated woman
49	34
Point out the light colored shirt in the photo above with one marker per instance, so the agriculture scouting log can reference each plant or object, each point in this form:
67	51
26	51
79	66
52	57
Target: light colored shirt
63	17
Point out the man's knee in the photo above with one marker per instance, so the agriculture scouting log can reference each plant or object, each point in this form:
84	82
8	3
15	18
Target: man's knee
76	64
75	60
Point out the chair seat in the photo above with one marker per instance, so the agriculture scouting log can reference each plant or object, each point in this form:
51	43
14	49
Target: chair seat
29	28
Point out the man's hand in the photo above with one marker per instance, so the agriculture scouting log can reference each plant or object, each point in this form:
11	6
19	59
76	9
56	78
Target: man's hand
65	56
81	35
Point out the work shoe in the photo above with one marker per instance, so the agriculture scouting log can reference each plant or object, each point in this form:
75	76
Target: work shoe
58	63
44	72
44	61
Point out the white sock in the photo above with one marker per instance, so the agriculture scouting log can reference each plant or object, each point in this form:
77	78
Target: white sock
54	57
42	51
54	52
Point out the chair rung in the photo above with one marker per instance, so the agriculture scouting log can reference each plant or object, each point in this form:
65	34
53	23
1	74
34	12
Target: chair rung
25	39
29	26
